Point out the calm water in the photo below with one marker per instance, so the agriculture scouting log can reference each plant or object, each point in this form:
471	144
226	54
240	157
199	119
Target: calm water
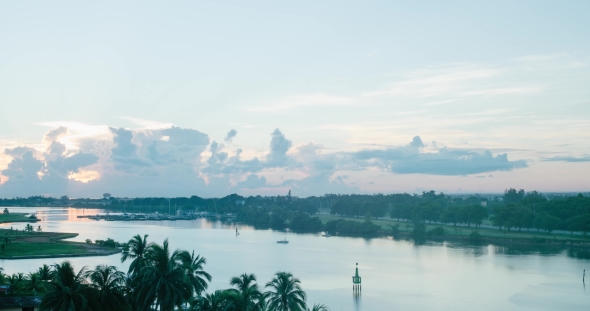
397	275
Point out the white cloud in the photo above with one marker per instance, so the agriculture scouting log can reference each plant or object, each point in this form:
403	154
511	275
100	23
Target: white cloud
147	124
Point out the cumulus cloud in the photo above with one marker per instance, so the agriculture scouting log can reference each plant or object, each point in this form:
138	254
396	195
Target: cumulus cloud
252	181
124	153
33	172
230	135
170	162
410	160
279	145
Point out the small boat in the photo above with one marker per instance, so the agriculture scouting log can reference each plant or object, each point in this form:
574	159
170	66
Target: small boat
283	241
327	235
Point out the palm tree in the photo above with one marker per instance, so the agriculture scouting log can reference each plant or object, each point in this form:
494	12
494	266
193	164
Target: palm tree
110	286
319	307
285	294
246	296
16	281
3	277
162	279
194	271
33	283
45	273
210	302
137	250
68	290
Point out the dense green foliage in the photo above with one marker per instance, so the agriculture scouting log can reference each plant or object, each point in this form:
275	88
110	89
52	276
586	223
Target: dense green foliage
352	228
158	279
515	209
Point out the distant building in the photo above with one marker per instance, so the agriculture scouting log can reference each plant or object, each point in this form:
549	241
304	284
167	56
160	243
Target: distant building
240	202
484	203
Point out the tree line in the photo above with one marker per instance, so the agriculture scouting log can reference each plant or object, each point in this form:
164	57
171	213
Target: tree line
515	209
158	279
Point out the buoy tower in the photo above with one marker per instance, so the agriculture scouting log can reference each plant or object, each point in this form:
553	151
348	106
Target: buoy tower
356	280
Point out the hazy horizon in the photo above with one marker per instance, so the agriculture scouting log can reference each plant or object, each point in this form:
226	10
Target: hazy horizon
210	98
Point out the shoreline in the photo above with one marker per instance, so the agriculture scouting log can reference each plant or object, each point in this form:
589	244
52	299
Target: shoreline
16	217
35	245
60	255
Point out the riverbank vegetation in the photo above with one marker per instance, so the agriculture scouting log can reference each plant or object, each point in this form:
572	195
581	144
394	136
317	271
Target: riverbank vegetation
531	213
158	279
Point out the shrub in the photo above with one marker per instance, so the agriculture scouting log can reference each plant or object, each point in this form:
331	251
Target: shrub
419	229
438	231
395	229
475	237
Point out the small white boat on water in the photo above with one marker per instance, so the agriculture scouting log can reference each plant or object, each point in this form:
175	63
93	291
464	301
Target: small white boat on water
327	235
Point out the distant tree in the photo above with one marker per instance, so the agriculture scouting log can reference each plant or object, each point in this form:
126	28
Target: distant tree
579	223
476	213
545	221
521	217
513	196
6	211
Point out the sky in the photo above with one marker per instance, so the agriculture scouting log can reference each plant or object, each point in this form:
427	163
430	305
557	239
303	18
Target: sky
209	98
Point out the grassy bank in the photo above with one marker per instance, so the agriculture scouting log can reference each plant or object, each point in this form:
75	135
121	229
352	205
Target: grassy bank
464	232
16	217
21	245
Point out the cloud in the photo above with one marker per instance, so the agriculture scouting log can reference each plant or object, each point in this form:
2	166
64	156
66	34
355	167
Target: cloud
18	151
252	181
437	81
279	145
230	135
584	158
124	153
410	160
171	162
220	163
32	172
147	124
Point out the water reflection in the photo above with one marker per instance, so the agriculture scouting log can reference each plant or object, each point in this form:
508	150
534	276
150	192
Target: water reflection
356	296
398	274
578	253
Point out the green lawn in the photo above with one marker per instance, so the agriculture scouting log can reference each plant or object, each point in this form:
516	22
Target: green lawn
32	248
462	231
15	217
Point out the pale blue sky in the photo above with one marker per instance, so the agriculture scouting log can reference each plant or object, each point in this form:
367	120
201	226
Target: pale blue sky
348	85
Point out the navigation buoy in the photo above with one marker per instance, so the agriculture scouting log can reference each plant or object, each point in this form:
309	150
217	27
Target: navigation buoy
356	280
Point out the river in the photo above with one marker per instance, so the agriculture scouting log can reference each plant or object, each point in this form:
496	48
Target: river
396	275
